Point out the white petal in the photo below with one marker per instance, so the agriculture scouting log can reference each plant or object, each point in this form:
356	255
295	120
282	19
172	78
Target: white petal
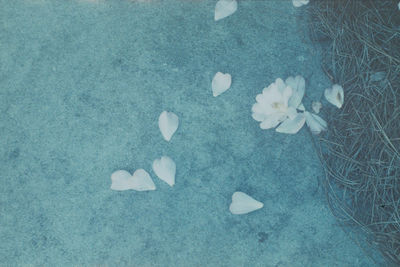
291	113
139	181
224	8
315	122
270	95
299	3
280	85
168	123
292	126
142	181
165	169
220	83
298	85
258	116
263	109
242	203
121	180
335	95
287	94
316	106
271	121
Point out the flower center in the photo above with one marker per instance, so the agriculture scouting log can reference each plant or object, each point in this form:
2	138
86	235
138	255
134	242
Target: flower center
279	106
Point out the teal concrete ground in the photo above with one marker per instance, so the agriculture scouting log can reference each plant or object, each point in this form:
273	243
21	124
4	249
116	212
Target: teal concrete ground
82	84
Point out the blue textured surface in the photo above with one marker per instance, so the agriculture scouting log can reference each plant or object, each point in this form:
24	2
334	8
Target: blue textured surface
81	87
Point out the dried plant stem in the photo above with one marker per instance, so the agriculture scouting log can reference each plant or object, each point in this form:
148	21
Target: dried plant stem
361	151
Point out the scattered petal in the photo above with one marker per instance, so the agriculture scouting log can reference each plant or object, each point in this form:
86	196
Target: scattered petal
121	180
315	123
220	83
165	169
242	203
292	126
168	123
140	181
298	85
299	3
224	8
335	95
316	106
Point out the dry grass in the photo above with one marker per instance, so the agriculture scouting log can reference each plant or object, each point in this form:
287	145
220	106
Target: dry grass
361	151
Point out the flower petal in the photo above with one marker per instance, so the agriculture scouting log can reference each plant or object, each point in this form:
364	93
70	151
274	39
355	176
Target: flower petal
316	106
220	83
165	169
168	123
291	113
315	123
298	85
280	84
243	203
261	111
142	181
301	107
258	116
335	95
299	3
271	121
287	93
224	8
292	126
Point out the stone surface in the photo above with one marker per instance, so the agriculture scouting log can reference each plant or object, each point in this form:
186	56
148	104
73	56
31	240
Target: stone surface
81	87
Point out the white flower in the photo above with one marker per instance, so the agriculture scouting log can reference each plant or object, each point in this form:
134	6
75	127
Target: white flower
315	122
299	3
278	103
335	95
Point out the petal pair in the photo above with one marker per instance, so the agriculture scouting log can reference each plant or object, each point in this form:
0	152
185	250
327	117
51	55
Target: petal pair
140	181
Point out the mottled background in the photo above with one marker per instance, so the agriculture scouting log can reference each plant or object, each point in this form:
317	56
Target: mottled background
82	84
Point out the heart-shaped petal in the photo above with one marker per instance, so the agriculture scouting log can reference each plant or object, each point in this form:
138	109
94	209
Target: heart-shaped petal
299	3
335	95
140	181
165	169
242	203
168	123
121	180
224	8
220	83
